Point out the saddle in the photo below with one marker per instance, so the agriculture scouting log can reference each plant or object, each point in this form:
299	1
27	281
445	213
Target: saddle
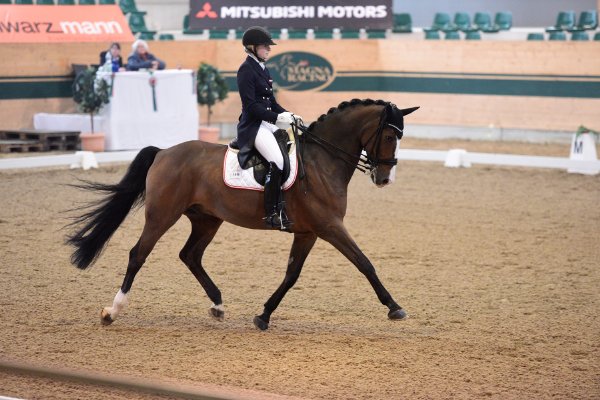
260	164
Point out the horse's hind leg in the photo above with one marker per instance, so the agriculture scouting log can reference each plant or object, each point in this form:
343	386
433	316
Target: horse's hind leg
204	229
156	225
302	245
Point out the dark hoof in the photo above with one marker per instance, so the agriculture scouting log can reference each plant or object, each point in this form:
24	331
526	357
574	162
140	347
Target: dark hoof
397	315
219	315
260	324
105	318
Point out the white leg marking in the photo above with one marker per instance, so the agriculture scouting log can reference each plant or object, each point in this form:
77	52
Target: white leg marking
119	304
218	307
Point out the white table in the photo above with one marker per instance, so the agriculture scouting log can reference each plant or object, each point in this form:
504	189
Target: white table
135	117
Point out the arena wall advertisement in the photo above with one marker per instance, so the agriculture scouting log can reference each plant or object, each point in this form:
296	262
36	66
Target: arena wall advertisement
499	84
299	14
34	24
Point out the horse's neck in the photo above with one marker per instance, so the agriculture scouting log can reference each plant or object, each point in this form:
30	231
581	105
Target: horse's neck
344	131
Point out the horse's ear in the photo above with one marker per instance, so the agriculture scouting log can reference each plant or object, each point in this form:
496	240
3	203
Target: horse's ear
406	111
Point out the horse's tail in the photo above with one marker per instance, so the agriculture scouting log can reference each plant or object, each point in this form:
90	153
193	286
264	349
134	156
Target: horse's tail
104	216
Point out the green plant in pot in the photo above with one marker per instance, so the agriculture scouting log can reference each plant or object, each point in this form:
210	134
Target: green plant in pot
211	89
91	95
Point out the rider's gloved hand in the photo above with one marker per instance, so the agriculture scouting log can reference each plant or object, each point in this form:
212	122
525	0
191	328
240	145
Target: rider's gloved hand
284	120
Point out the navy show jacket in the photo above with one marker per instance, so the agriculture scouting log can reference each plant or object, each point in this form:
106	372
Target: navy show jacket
258	104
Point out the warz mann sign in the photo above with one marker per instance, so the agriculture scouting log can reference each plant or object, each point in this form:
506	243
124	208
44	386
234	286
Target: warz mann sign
302	14
39	24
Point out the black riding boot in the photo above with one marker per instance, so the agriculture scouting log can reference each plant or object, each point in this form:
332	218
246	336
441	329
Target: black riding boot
275	216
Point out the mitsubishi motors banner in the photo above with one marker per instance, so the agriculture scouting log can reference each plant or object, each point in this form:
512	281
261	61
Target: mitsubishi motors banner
39	24
300	14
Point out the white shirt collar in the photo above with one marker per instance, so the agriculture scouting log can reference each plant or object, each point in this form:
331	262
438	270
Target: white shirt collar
262	64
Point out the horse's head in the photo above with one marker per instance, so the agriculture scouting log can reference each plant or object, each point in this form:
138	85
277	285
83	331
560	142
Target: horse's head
381	146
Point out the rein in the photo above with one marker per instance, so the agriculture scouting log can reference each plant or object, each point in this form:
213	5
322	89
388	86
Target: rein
364	162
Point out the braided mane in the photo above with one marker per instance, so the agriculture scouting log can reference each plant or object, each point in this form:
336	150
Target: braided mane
345	104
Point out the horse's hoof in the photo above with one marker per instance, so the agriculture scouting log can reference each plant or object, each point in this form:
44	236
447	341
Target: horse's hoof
260	324
105	317
397	315
217	314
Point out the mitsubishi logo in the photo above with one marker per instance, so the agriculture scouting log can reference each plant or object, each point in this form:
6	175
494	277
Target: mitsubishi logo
206	11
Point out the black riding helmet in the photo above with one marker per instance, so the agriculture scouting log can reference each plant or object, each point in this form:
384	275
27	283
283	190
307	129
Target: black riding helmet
255	36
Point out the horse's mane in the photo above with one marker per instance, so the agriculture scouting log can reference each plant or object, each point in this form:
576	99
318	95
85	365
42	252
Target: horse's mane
345	104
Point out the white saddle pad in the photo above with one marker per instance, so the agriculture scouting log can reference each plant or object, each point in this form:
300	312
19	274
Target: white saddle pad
238	178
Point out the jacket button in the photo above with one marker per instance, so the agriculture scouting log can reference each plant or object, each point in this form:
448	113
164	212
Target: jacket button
268	108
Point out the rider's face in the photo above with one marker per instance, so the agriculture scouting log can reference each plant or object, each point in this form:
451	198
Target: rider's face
263	50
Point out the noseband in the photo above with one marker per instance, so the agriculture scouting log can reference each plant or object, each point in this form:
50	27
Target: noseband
365	162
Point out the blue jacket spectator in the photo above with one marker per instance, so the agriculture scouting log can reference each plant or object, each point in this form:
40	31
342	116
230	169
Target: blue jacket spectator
141	58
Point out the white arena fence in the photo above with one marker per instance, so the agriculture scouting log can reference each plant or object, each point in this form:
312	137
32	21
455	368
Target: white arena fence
451	158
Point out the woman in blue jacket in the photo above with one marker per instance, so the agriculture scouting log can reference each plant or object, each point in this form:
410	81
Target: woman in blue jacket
261	117
142	58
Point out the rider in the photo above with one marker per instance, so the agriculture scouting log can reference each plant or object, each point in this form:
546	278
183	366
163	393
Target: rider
261	117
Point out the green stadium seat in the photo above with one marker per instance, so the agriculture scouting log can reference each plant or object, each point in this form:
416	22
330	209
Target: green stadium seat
66	2
402	23
503	20
462	21
87	2
166	36
146	35
186	27
5	1
588	21
482	20
323	34
128	6
45	2
580	36
24	2
557	36
432	35
452	35
441	22
297	34
239	34
597	36
564	21
350	35
218	34
473	35
275	33
106	2
137	22
535	36
376	34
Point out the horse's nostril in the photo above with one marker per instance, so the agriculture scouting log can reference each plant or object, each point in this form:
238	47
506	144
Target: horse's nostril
386	181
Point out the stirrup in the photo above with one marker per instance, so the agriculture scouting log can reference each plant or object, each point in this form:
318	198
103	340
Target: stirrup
278	220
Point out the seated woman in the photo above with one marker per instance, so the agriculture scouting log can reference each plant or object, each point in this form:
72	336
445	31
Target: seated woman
115	57
141	58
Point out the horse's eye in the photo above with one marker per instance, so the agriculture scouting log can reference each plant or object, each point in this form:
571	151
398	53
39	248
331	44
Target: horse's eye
390	138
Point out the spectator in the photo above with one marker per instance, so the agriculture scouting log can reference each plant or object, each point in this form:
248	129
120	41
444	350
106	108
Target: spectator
141	58
115	57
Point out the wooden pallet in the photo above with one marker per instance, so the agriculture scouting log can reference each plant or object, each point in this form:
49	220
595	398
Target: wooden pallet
20	146
51	140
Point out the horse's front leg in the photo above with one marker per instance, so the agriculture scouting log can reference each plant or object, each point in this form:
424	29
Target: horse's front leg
341	240
303	243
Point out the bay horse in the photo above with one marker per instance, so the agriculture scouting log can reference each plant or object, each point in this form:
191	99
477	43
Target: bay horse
187	179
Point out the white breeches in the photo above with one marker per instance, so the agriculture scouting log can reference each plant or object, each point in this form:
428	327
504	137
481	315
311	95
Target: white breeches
266	144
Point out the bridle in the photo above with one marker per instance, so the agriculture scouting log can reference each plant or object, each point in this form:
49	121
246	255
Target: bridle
365	162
